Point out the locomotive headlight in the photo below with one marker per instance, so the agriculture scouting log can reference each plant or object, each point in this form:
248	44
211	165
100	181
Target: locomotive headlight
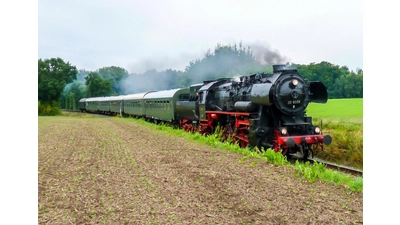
317	130
283	131
294	83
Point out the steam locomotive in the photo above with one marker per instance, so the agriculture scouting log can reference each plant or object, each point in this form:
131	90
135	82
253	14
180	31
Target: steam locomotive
259	110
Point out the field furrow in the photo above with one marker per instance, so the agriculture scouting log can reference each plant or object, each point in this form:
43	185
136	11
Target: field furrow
116	171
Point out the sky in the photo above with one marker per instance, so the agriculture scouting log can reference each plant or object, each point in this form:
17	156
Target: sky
139	35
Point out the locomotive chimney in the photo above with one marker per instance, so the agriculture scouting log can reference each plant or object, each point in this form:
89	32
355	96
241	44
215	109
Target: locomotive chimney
278	68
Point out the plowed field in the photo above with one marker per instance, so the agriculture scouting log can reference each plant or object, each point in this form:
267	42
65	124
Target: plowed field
115	171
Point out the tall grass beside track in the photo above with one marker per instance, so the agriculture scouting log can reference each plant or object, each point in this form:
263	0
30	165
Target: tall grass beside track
343	120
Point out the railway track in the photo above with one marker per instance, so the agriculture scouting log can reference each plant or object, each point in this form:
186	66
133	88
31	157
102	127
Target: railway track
342	168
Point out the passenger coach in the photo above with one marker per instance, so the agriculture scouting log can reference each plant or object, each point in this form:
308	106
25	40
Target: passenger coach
161	105
133	104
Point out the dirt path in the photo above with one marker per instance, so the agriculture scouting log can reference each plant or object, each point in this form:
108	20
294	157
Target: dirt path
114	171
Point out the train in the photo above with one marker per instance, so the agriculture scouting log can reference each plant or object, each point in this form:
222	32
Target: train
257	110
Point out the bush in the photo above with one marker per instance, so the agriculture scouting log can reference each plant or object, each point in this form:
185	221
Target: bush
48	108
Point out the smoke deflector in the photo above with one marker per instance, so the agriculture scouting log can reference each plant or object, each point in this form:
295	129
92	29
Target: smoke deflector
318	92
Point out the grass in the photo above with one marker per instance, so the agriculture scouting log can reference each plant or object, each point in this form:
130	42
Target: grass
343	120
345	111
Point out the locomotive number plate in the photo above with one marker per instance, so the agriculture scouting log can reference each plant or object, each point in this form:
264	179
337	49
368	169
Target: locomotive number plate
294	102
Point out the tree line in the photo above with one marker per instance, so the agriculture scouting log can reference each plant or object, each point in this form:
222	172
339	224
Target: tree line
63	85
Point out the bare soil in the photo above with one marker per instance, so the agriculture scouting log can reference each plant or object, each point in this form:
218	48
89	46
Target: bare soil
115	171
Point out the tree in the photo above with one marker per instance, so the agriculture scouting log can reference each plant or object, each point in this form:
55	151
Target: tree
71	95
225	61
115	74
54	75
82	73
97	86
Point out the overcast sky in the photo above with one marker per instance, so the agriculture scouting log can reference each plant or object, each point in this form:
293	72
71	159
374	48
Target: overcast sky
144	34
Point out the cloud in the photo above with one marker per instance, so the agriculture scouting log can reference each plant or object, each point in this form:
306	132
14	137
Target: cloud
155	33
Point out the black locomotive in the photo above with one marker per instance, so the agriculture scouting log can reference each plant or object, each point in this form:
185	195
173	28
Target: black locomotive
258	110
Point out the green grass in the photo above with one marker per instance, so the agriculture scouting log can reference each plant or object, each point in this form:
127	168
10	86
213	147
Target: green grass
318	171
343	120
348	111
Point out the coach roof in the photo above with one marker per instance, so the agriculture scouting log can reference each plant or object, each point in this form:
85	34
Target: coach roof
164	94
137	96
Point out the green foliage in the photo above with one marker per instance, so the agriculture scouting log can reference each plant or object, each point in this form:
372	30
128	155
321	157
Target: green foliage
225	61
115	74
356	184
311	172
81	75
318	171
275	157
97	86
53	75
340	82
72	94
48	108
